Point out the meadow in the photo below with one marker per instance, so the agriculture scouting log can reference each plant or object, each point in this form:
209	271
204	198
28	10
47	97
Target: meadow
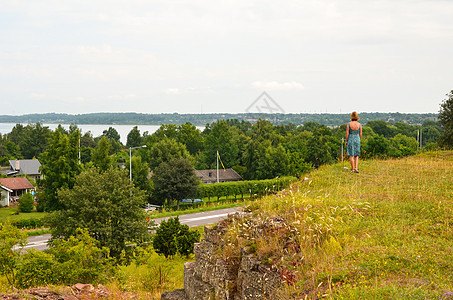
384	233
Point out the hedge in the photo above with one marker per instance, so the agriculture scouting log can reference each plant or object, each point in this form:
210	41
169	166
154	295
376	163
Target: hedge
254	188
31	223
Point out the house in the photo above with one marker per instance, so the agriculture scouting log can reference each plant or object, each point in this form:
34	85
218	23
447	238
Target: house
4	196
210	176
16	186
29	167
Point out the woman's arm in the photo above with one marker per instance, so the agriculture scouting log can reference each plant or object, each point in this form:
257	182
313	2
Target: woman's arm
347	132
360	132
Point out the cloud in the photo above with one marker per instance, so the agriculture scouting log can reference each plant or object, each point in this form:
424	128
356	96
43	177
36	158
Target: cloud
37	96
278	86
172	91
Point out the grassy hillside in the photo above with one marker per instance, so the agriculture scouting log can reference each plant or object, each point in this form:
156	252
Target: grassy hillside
385	233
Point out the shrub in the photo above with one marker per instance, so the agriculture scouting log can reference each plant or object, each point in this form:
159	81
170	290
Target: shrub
26	203
31	223
80	259
36	269
172	237
10	236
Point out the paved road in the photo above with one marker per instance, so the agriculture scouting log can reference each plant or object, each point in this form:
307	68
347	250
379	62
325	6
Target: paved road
192	220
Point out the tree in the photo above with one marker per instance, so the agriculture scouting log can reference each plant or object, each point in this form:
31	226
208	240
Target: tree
108	205
221	138
175	180
60	165
446	119
112	134
166	150
101	155
318	150
26	203
376	146
140	173
172	237
10	236
190	136
35	140
134	138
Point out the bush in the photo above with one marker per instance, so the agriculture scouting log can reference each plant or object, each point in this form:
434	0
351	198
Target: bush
36	269
78	259
26	203
31	223
172	237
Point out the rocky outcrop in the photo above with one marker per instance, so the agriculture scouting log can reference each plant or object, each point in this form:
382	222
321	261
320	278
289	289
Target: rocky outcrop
209	277
77	291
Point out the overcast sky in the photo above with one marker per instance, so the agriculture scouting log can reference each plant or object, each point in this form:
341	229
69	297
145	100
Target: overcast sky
154	56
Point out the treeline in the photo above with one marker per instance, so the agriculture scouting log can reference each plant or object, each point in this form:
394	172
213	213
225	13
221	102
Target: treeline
256	151
327	119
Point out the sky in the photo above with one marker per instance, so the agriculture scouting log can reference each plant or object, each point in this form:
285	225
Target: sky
204	56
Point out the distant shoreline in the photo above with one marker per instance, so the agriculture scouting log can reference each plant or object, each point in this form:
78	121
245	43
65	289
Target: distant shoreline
328	119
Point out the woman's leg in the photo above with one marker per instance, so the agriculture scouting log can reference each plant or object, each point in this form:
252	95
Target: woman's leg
356	162
351	159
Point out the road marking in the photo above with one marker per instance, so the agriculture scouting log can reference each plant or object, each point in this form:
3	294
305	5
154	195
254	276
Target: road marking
204	218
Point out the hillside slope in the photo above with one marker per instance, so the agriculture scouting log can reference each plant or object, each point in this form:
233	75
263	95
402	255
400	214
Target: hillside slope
383	233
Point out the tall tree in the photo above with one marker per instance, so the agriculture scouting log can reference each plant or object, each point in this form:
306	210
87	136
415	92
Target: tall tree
101	155
112	134
35	140
221	138
60	165
446	119
108	205
134	139
175	180
165	150
140	174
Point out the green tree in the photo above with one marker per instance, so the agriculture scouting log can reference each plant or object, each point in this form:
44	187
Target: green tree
101	155
172	237
10	236
318	150
401	145
60	165
175	180
134	139
166	150
108	205
376	146
190	136
221	138
140	174
35	140
26	203
112	134
446	119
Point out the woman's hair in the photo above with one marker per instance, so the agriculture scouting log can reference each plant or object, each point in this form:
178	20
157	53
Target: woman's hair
354	116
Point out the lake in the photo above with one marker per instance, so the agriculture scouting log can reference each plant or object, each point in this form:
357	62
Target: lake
96	129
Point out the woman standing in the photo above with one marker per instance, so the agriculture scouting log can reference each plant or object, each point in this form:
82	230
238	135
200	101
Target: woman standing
353	136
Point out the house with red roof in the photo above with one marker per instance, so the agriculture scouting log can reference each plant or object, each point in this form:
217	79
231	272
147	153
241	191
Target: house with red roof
17	186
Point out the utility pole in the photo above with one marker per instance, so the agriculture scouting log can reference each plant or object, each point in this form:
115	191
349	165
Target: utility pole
217	166
342	151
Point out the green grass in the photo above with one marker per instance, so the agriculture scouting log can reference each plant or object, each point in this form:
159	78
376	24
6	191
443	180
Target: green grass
13	213
383	233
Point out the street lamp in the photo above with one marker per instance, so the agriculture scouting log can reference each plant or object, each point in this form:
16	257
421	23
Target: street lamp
130	159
